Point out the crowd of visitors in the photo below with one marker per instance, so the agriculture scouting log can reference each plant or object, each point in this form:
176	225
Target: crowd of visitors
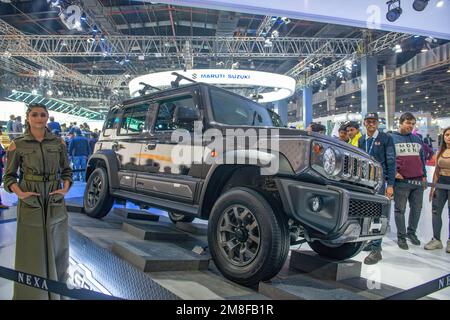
403	155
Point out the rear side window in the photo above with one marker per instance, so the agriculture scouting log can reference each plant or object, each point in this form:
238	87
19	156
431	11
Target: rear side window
177	113
133	120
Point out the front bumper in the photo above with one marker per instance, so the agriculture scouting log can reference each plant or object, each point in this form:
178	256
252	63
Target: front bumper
343	215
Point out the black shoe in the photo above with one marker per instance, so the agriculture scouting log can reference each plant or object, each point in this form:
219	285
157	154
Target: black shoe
373	257
402	244
413	238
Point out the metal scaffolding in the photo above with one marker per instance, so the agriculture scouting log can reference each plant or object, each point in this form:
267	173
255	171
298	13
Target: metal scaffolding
16	42
384	42
165	46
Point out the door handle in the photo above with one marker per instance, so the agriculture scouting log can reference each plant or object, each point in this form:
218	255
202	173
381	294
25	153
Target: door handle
151	146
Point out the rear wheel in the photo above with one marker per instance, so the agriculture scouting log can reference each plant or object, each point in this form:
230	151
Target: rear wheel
97	201
337	252
248	239
179	217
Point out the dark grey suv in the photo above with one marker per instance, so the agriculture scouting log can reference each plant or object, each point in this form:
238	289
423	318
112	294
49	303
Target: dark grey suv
323	191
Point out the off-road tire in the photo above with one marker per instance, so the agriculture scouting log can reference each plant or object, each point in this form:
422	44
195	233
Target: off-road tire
341	252
271	230
179	217
97	201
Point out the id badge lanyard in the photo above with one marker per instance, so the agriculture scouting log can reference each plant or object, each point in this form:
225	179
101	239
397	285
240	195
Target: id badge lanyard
374	137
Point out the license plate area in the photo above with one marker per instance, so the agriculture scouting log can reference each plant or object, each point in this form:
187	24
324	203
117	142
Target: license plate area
374	226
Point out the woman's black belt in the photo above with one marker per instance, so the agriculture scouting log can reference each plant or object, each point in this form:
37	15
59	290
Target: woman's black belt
40	178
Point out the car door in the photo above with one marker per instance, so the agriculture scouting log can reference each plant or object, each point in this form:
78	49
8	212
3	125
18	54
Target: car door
165	177
127	145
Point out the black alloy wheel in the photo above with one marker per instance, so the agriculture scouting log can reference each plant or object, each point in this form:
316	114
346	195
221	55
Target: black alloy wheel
248	237
97	201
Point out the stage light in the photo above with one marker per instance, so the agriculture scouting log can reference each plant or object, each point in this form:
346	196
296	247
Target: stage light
50	92
440	3
420	5
397	48
286	20
394	10
34	91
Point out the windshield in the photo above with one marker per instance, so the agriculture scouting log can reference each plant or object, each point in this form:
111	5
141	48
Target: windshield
233	110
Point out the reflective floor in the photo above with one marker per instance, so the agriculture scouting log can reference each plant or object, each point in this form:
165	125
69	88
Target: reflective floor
399	268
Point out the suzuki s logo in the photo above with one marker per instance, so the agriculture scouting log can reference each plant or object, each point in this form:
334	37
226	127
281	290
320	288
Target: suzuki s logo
194	76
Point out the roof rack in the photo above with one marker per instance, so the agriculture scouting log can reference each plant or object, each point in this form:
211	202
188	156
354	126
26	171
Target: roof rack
176	83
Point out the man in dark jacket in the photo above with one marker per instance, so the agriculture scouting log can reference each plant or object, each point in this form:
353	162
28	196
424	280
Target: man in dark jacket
381	146
410	179
79	150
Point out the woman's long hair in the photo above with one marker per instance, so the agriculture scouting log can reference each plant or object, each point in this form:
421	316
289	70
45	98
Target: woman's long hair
27	113
443	144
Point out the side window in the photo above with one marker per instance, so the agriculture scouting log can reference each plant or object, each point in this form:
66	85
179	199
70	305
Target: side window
133	120
178	113
111	123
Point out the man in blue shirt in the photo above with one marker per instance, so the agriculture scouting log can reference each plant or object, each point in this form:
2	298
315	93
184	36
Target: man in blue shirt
79	150
381	146
54	126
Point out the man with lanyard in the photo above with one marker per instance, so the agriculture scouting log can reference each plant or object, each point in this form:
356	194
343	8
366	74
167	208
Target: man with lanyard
380	146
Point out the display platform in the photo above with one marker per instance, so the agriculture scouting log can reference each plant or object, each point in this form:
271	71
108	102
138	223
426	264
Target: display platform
111	256
168	256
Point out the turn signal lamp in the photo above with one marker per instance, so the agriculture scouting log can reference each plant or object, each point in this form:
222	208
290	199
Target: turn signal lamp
317	148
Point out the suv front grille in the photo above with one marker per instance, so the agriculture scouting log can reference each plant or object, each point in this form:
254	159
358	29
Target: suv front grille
364	209
360	170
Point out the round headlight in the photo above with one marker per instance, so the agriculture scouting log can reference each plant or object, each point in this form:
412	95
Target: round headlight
329	161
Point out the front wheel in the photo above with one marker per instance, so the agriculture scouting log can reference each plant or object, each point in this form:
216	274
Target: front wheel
248	239
337	252
97	201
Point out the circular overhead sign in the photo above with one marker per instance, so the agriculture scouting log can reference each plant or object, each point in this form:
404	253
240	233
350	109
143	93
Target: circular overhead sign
283	86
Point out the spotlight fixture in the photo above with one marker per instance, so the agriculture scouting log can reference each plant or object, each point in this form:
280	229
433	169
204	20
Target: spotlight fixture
397	48
420	5
440	3
418	90
424	48
268	43
394	10
406	81
34	91
286	20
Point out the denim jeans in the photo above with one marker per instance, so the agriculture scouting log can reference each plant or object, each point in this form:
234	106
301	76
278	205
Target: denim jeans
405	192
79	163
441	196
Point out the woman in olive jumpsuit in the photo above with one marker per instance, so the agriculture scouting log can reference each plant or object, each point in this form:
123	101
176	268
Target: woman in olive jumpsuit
42	242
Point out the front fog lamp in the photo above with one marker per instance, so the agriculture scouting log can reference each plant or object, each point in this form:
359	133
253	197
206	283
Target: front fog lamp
315	204
329	161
